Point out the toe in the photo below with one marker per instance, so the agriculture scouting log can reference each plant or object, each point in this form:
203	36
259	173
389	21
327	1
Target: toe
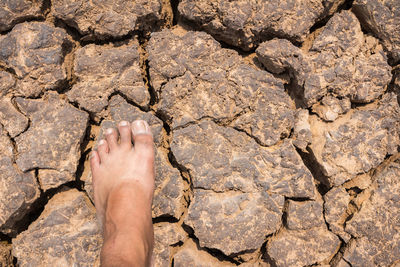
94	160
112	138
125	134
143	139
102	149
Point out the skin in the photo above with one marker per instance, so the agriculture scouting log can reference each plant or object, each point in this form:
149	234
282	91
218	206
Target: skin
123	185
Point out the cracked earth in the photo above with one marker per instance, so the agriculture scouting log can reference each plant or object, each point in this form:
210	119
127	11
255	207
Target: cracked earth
276	125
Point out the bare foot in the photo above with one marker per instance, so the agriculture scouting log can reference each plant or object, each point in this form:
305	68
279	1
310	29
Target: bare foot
118	163
123	185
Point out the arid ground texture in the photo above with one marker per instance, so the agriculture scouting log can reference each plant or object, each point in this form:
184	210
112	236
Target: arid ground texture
276	126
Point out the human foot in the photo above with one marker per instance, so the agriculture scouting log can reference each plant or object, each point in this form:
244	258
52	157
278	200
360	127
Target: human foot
117	164
123	185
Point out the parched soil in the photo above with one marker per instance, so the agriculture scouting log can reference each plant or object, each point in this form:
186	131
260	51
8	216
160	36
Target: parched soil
276	123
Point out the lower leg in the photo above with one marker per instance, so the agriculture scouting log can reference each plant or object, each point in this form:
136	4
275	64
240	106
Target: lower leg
128	231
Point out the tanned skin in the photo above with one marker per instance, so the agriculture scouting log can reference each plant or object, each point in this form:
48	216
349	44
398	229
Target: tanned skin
123	184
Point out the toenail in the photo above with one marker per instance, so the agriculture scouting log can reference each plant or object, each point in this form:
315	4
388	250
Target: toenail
123	123
109	131
101	142
140	127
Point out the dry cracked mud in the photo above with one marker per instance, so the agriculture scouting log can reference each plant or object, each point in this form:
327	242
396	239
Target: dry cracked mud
276	125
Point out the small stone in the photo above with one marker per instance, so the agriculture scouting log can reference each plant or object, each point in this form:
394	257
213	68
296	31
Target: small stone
17	190
306	240
6	258
102	70
53	178
166	235
35	51
331	107
348	63
302	136
362	181
108	18
53	138
304	215
13	121
360	198
342	63
335	206
66	233
169	196
224	221
381	17
269	116
7	83
376	225
196	79
247	23
303	247
279	55
191	255
358	142
13	12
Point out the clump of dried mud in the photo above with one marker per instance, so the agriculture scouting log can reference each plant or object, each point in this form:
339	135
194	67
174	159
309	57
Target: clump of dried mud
277	127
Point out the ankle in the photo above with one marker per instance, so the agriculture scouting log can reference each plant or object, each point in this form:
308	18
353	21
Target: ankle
126	248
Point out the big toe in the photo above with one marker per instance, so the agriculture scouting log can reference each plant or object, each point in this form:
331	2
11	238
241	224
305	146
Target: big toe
143	139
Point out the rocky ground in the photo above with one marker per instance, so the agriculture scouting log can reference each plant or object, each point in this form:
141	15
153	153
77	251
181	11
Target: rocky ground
277	127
